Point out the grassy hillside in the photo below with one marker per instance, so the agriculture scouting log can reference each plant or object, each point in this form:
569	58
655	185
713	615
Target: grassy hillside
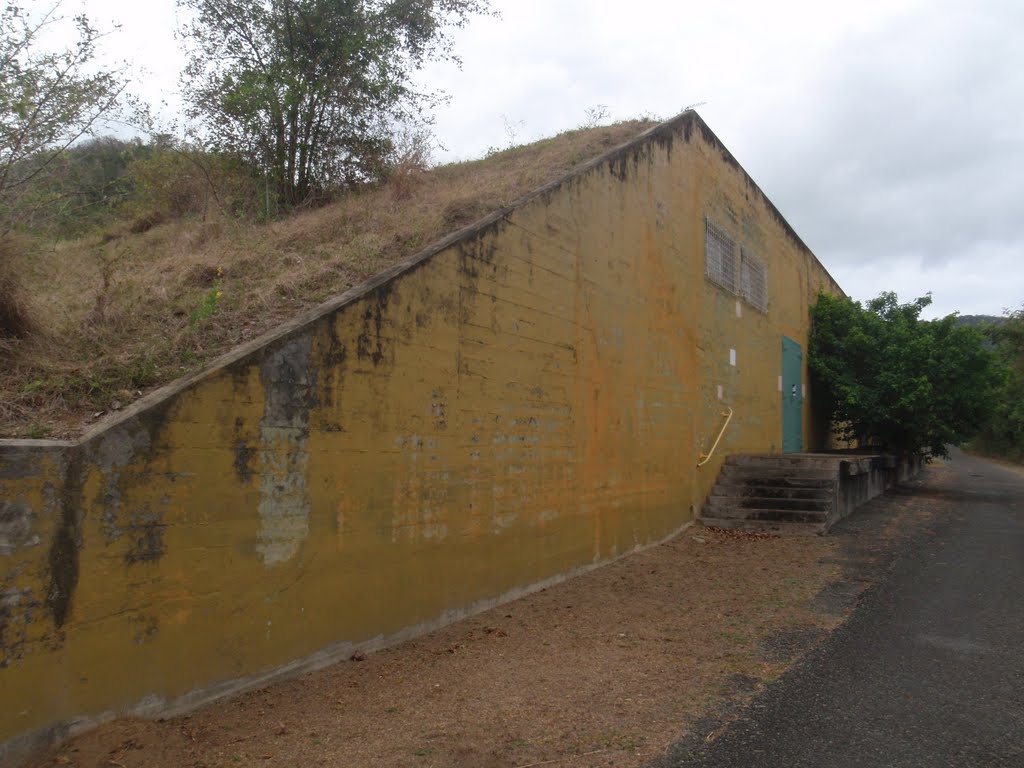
120	313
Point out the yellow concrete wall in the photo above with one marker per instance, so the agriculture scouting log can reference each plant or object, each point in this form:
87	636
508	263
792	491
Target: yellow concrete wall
522	402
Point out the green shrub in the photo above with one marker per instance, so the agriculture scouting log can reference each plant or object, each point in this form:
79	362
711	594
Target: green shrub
176	183
887	378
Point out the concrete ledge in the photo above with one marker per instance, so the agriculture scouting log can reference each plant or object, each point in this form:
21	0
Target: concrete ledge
862	478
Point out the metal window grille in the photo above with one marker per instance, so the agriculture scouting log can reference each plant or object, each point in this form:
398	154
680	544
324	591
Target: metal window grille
719	256
753	280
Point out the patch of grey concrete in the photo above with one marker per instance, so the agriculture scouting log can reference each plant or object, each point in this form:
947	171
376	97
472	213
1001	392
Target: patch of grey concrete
116	450
16	526
289	385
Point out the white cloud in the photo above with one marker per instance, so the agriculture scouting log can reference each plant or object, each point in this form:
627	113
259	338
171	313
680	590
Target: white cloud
890	133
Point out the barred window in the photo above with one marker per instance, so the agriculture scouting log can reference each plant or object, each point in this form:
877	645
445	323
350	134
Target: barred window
719	256
753	280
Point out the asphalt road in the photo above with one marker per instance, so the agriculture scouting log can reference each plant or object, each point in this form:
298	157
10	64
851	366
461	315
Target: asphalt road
929	669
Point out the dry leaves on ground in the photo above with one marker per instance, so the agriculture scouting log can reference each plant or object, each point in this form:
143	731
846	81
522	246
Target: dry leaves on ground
606	669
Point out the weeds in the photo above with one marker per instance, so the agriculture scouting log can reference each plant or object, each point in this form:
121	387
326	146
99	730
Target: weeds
16	321
596	115
172	311
37	431
206	308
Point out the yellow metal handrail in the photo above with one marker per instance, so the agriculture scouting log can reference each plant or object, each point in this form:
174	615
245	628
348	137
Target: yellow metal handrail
705	458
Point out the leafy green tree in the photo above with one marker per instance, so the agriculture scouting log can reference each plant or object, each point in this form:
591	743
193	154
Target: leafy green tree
82	187
1003	433
48	99
172	180
309	90
889	379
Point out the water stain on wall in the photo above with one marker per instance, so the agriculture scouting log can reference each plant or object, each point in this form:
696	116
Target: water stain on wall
145	533
63	557
289	386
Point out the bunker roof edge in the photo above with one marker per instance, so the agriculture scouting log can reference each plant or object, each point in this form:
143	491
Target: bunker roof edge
686	121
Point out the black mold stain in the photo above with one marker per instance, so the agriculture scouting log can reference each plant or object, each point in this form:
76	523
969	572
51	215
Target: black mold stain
63	560
713	141
243	453
427	302
244	456
335	363
689	119
239	371
370	342
467	264
146	538
486	251
18	465
628	160
619	166
336	354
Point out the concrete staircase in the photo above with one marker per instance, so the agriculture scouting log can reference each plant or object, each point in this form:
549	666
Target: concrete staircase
784	494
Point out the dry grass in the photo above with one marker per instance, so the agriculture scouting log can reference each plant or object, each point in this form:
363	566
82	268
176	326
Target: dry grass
131	310
16	317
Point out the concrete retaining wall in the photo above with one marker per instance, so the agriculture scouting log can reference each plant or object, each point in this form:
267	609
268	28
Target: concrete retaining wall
515	404
862	478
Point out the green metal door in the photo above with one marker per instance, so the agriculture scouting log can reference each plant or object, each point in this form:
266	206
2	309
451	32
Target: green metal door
792	396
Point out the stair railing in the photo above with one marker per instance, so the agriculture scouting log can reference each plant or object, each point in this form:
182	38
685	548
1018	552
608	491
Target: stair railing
706	457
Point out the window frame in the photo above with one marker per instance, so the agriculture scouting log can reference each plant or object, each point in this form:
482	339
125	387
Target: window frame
720	250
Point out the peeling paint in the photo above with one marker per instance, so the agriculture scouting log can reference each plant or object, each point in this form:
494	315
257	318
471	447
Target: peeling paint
16	526
18	608
115	451
145	534
371	343
145	628
289	382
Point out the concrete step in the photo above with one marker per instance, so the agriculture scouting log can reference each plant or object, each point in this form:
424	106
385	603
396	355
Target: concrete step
754	502
730	476
787	515
777	494
762	526
772	491
764	512
788	461
790	474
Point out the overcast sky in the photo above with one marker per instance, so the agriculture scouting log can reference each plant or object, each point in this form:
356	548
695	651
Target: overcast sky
890	133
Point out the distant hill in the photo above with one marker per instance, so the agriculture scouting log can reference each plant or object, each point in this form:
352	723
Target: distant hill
976	320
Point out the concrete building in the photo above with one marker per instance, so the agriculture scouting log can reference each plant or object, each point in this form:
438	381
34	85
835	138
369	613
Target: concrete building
524	400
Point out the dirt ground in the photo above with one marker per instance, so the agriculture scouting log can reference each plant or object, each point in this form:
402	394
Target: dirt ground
607	669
